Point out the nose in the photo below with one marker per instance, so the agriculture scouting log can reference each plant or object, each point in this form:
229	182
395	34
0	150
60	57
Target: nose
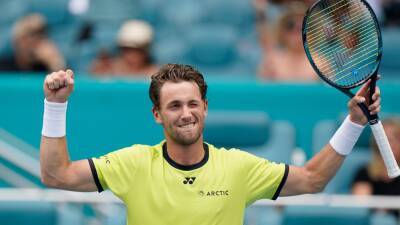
186	113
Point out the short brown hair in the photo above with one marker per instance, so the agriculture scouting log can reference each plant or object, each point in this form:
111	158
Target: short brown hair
175	73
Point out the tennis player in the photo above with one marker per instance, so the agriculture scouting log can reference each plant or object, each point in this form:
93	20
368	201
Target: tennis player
183	180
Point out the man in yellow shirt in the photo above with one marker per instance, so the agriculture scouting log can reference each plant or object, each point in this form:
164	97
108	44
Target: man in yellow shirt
183	180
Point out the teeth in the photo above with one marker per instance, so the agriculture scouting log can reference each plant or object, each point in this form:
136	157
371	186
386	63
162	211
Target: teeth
187	125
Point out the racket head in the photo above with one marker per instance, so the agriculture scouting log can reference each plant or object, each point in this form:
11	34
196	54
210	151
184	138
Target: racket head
342	41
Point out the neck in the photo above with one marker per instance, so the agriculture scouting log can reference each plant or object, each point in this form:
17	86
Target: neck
186	154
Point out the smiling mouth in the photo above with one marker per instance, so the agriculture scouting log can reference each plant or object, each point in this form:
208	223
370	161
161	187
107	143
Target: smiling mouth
188	125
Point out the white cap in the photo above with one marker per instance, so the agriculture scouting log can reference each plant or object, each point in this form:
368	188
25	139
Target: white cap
135	34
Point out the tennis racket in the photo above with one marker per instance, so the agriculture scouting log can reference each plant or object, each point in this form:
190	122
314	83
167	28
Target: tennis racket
343	43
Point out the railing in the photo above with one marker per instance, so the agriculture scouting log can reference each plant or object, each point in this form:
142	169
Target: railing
61	196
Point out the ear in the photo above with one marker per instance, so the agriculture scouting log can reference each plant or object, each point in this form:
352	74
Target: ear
157	115
205	107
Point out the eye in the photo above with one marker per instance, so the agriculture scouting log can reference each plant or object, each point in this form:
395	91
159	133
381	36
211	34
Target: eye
174	106
193	104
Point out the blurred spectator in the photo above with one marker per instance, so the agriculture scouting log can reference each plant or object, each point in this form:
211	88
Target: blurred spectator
373	179
134	41
284	57
33	50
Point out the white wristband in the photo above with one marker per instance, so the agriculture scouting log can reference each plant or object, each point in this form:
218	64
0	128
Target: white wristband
346	136
54	119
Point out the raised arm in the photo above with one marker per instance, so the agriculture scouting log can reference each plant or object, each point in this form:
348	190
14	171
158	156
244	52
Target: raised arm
57	170
319	170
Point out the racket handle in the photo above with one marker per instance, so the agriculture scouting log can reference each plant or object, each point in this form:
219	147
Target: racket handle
385	150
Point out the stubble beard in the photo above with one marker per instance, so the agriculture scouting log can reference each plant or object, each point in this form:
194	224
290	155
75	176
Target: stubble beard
185	139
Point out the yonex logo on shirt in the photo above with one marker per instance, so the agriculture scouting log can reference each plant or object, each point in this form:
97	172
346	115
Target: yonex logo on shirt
189	180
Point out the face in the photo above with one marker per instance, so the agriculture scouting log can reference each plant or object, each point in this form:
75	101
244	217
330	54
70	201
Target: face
182	112
293	33
137	57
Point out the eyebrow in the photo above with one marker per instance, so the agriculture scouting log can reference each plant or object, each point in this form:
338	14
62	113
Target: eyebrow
178	101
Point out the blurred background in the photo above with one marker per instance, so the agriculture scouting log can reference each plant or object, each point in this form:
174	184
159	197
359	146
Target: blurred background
264	98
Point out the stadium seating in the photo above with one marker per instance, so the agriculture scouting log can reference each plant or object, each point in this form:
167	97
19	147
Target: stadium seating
256	215
55	12
390	66
26	213
316	215
251	131
382	218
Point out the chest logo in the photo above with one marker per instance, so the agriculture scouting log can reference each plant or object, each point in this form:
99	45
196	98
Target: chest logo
189	180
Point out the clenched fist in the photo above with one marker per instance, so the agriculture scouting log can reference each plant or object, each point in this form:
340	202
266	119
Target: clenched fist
58	86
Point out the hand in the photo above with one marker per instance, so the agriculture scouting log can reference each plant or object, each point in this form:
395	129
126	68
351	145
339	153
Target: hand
58	86
362	96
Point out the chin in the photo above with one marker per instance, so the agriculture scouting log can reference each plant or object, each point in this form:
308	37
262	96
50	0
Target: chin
187	140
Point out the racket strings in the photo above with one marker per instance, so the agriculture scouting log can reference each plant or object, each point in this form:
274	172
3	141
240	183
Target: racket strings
321	32
342	39
327	49
323	19
330	51
327	8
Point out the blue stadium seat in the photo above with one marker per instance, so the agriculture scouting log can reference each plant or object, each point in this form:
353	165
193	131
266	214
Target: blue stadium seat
257	215
212	48
11	11
236	13
391	49
28	213
168	47
251	131
109	10
190	12
5	40
382	218
317	215
55	11
211	45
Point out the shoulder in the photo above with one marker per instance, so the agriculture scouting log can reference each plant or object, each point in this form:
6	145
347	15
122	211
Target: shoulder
137	151
234	154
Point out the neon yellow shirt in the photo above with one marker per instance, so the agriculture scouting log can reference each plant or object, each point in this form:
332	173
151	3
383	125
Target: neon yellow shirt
156	190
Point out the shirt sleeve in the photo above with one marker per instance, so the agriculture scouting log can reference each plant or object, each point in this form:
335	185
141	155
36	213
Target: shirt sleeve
264	179
114	171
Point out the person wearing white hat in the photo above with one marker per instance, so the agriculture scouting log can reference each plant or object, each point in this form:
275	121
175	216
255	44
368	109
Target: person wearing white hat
134	40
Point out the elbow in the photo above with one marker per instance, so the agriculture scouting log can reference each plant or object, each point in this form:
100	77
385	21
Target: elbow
316	184
317	188
51	181
48	181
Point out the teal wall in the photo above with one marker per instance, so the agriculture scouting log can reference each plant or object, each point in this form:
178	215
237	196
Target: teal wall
105	115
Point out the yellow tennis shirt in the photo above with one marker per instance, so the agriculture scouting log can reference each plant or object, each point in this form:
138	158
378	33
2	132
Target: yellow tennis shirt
157	191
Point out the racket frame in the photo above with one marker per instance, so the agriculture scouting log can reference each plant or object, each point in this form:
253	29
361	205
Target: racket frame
372	119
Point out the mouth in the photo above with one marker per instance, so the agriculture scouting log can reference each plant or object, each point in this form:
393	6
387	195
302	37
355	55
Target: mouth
187	125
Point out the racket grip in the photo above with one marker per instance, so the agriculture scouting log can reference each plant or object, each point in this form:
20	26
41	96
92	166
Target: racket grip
385	150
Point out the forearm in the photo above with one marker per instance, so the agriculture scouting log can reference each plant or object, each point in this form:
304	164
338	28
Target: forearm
323	167
54	161
319	170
